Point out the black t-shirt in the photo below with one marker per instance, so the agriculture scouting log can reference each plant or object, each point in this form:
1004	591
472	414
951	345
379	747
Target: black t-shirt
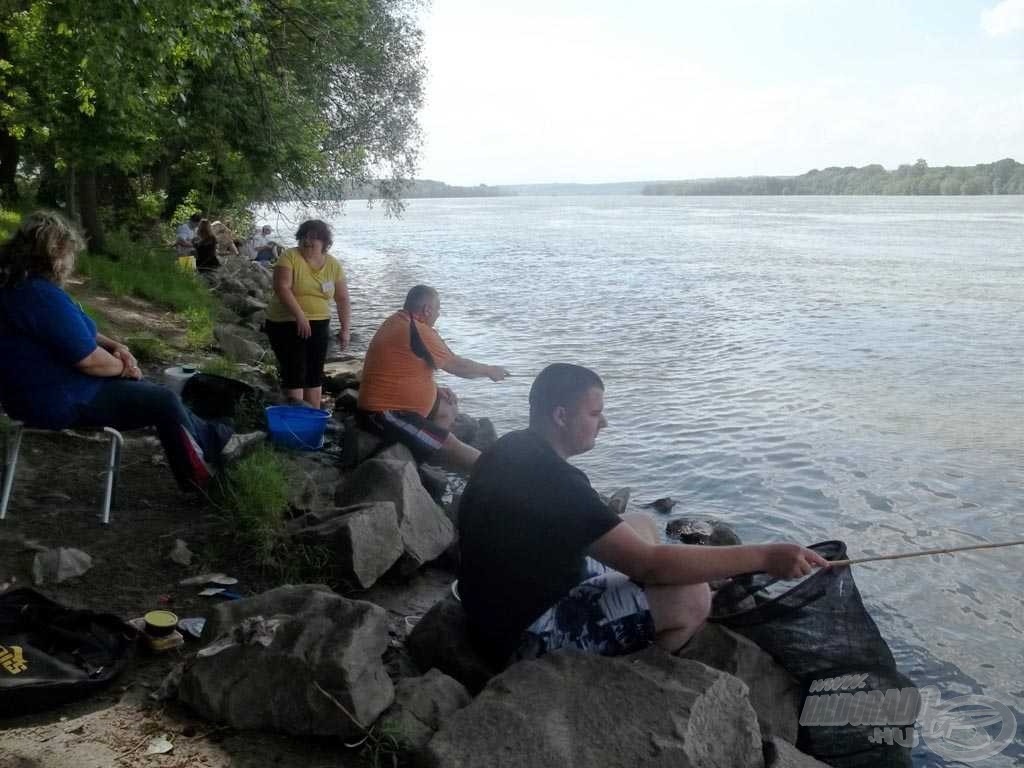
526	519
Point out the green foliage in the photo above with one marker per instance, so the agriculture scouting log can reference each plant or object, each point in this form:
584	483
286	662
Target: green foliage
9	221
253	496
149	349
187	207
215	102
198	328
146	272
221	366
1004	177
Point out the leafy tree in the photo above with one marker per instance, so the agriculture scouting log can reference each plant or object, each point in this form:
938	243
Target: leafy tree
115	103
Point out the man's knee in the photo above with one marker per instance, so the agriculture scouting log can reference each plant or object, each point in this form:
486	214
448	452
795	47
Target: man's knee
444	413
679	607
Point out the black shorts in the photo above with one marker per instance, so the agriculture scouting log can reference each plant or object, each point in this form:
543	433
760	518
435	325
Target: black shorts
299	361
419	434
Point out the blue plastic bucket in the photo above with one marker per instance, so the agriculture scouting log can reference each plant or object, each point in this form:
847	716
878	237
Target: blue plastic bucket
297	427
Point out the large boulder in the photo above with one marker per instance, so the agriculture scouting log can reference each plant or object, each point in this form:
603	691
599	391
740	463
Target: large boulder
275	661
363	540
421	705
233	340
781	754
441	639
572	709
774	693
426	530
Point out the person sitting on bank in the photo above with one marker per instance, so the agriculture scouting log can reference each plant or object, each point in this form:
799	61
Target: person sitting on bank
298	317
59	373
264	249
546	565
398	399
227	244
184	236
206	248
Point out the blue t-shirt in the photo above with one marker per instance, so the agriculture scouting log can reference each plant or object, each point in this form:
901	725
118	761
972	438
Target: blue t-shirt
43	333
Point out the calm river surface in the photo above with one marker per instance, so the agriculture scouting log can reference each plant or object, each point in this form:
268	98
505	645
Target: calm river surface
804	368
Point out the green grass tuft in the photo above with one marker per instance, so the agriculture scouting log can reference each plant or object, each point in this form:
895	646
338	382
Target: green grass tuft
149	349
147	272
253	497
198	328
221	366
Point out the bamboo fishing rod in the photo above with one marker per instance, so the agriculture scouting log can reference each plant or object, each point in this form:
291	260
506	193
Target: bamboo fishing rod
923	552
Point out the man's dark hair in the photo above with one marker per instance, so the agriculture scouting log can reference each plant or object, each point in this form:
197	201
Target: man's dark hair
318	229
559	384
196	217
417	298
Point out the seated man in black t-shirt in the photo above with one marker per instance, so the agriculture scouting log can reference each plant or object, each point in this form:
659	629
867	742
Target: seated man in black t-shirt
546	565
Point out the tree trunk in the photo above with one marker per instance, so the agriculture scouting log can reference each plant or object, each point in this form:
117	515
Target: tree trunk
9	149
88	204
10	153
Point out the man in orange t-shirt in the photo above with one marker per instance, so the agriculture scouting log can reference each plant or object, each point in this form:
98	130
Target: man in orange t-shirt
398	399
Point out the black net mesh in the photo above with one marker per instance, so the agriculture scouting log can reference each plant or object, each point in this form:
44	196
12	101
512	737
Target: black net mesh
819	630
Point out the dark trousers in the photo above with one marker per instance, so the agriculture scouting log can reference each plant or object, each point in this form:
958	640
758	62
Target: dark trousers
190	443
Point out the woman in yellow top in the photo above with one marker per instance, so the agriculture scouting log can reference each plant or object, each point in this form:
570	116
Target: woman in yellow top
298	318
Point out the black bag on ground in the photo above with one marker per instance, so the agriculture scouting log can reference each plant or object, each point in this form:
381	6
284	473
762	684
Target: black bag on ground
217	397
51	655
819	630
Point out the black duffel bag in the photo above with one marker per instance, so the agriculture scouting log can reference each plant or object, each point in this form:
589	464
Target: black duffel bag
210	396
51	654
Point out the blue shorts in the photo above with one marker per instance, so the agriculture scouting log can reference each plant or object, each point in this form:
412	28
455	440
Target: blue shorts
607	614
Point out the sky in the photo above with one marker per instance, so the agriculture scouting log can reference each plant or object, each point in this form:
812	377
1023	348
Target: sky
533	91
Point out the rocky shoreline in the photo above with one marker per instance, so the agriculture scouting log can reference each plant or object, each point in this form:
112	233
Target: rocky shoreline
383	661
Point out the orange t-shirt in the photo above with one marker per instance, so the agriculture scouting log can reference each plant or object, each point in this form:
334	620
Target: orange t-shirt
394	378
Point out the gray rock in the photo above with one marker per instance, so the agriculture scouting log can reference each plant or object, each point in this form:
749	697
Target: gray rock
571	709
780	754
54	566
180	553
441	640
426	530
236	346
264	658
363	540
486	435
774	693
256	320
421	705
252	304
357	445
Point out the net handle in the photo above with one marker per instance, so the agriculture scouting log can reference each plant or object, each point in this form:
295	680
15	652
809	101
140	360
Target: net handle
923	552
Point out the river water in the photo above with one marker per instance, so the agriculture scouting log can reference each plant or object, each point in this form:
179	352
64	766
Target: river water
804	368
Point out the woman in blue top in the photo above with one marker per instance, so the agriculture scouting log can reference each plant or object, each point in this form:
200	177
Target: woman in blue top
58	372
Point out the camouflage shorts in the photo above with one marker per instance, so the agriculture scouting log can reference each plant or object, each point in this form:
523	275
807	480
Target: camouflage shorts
607	614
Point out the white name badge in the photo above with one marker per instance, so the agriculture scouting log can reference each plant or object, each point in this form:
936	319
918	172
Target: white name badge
327	288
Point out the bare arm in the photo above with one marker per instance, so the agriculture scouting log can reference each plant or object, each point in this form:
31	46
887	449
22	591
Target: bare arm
465	368
121	352
341	299
283	291
101	363
624	550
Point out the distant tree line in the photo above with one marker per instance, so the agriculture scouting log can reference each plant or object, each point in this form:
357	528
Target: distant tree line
123	111
422	188
1005	177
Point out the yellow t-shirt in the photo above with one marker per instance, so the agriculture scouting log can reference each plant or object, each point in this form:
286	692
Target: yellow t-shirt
313	289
